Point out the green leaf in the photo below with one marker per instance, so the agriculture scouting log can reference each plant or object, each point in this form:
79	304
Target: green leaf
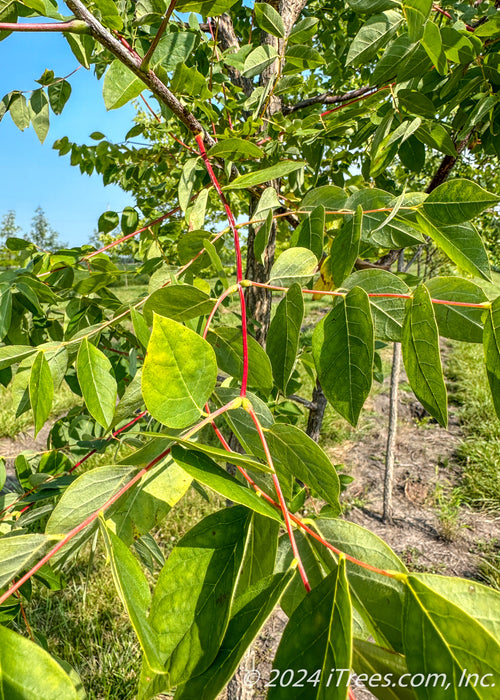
219	454
388	312
206	8
456	201
186	182
417	13
436	136
281	169
38	107
82	47
207	472
18	552
97	382
227	343
421	355
189	81
248	614
236	149
301	57
173	48
130	402
370	7
28	672
267	203
59	94
461	243
433	45
150	501
293	265
303	30
108	221
110	15
120	85
190	620
12	354
440	638
380	664
283	336
372	36
19	112
241	423
386	67
343	348
492	351
458	322
378	598
262	236
133	590
179	373
310	232
478	601
269	20
141	329
259	59
41	390
316	571
5	312
180	302
345	248
86	495
129	220
318	636
260	555
296	454
331	197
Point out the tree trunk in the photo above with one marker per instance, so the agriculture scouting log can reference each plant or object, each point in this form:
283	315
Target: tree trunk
391	434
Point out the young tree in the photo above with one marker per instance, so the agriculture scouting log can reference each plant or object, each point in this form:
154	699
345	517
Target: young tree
41	232
329	131
9	227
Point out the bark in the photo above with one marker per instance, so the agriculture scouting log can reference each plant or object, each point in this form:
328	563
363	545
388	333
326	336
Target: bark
391	435
316	413
259	300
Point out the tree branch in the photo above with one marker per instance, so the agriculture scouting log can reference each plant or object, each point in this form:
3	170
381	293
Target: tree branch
74	26
159	34
149	77
327	98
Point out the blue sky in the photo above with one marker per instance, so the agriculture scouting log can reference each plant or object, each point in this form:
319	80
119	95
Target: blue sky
32	174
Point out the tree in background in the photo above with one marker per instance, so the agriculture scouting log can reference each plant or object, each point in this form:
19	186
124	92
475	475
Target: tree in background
9	228
41	232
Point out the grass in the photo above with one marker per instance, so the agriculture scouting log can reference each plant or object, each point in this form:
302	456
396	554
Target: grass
479	453
85	623
11	425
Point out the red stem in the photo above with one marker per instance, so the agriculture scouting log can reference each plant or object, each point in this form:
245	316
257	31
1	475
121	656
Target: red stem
385	296
158	119
90	519
279	492
219	301
436	8
74	26
239	260
130	235
294	518
75	466
358	99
